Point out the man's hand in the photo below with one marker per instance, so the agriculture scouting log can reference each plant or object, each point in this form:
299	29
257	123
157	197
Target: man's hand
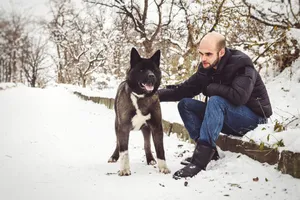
205	81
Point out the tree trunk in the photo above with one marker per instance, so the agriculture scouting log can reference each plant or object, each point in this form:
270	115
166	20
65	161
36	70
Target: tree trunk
33	80
84	82
60	78
148	47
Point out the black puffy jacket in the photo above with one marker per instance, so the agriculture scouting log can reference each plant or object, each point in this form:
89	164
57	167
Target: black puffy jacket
235	79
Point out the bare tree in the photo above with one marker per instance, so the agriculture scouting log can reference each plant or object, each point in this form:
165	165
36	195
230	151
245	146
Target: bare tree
13	37
33	60
80	43
137	19
62	17
282	14
280	18
14	46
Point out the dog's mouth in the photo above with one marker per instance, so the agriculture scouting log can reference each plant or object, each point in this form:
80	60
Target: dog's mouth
147	86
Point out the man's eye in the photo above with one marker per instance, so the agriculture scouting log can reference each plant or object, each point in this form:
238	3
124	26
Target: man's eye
208	54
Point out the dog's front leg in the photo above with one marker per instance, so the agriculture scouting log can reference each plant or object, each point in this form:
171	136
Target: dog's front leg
147	145
156	128
157	135
123	138
160	153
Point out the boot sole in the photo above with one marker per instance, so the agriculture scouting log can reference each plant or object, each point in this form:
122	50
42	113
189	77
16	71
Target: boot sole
184	163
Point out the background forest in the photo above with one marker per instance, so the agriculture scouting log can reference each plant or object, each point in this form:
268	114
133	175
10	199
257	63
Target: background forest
87	43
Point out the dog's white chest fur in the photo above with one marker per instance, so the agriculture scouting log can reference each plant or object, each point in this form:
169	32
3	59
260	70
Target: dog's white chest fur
139	119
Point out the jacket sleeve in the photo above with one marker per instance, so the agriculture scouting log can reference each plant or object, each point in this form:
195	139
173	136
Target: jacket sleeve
187	89
238	93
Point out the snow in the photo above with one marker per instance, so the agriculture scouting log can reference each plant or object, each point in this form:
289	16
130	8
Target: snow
53	145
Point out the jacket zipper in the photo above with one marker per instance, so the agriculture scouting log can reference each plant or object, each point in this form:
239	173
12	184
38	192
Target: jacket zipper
258	98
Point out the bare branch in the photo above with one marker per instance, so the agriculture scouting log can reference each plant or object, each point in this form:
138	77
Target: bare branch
284	22
218	16
268	47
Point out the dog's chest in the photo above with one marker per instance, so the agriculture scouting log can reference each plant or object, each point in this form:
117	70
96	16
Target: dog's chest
139	119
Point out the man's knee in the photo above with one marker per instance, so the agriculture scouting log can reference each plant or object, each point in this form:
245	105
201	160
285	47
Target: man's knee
183	104
217	100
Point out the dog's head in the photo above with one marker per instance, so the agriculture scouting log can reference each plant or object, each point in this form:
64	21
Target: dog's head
144	75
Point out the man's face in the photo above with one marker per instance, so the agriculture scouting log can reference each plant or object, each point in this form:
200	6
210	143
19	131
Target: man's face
209	55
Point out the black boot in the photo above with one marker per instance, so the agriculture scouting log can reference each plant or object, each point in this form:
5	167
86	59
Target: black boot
216	155
188	160
202	155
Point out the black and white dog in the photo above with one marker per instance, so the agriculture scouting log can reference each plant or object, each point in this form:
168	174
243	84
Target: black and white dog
137	107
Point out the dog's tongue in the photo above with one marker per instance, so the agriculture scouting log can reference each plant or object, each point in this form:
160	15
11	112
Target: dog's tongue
148	87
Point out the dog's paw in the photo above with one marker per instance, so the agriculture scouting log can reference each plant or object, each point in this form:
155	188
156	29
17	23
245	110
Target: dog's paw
152	162
162	166
125	172
164	170
112	160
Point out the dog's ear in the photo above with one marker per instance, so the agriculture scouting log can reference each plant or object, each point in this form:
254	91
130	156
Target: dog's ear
134	57
156	58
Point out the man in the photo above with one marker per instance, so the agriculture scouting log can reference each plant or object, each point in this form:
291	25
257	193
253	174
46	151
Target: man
238	100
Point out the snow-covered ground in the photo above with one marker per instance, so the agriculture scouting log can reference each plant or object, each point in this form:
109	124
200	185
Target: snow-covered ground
54	145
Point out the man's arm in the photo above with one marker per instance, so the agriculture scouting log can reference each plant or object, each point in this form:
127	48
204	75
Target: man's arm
187	89
240	90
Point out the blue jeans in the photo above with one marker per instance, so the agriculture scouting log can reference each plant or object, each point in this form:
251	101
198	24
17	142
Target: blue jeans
205	121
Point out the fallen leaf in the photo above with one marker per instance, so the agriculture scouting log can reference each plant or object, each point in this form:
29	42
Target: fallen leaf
235	185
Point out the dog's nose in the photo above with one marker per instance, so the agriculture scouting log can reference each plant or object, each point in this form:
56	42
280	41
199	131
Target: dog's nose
151	76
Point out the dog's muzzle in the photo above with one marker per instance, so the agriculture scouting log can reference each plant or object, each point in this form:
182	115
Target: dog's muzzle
148	84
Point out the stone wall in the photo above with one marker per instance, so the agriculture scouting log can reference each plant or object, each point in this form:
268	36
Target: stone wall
288	162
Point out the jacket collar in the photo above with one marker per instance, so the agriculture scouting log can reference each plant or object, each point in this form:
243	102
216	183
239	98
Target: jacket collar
224	60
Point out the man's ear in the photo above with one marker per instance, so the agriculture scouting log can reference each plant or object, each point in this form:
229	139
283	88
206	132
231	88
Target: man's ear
222	52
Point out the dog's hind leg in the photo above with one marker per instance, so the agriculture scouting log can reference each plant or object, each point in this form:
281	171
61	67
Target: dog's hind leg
115	156
147	145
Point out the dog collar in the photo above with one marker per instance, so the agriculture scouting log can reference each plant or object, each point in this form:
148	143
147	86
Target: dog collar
138	95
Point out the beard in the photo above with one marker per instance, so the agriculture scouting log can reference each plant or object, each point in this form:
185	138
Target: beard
214	64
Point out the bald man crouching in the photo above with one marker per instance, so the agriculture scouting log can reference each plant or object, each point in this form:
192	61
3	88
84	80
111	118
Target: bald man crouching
238	100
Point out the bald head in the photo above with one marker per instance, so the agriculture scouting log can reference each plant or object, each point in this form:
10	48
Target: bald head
214	40
211	49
